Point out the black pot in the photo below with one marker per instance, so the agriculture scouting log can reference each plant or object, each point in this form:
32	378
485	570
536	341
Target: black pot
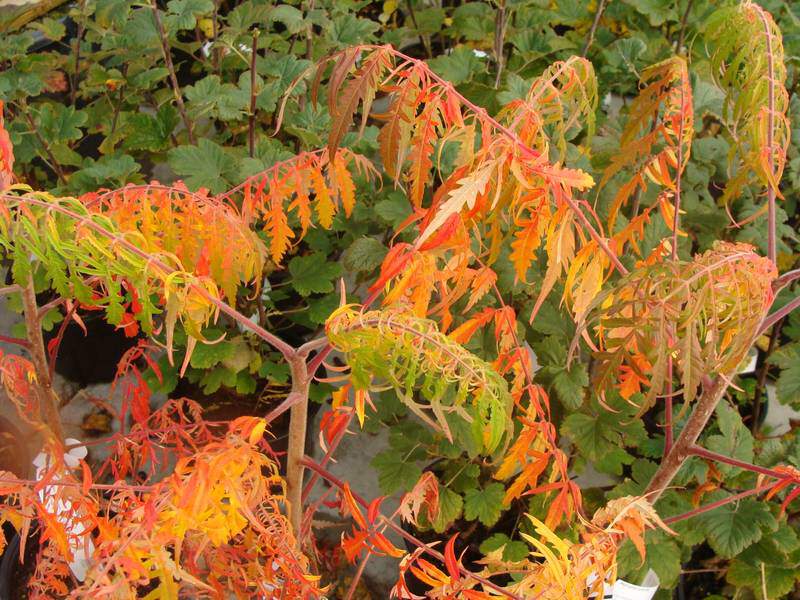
15	574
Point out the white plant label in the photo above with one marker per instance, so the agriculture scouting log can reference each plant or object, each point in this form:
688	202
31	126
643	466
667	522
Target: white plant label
81	545
623	590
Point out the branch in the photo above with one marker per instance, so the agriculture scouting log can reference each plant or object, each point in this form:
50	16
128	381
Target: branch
298	424
681	450
49	402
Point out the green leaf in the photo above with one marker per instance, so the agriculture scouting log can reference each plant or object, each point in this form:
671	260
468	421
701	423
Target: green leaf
50	28
736	440
214	379
182	14
473	21
513	550
363	255
569	385
788	384
149	132
450	508
662	555
349	30
108	172
206	356
773	562
656	11
457	67
394	473
733	527
210	97
602	438
394	209
319	309
484	504
289	16
207	165
313	274
274	372
59	122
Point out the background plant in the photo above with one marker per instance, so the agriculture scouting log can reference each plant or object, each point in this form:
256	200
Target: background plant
518	41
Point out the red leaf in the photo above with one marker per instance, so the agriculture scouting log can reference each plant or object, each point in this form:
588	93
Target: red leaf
450	560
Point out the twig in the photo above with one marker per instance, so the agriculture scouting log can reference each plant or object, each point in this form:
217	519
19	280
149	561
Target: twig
281	346
676	220
691	431
500	23
785	279
45	146
424	40
215	62
763	371
173	78
251	125
73	92
10	289
682	31
601	6
709	507
357	577
16	341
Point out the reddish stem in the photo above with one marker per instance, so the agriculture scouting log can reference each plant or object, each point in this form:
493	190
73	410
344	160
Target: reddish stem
771	213
708	507
708	454
15	341
779	314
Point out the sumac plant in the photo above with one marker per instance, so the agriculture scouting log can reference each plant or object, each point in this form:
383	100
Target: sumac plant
188	507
